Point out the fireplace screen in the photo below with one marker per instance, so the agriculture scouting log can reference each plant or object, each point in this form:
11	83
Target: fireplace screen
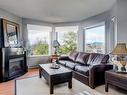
15	66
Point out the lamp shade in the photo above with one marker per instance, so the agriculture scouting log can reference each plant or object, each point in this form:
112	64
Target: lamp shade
56	44
120	49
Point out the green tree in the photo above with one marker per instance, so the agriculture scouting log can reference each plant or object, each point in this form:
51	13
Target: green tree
41	49
69	43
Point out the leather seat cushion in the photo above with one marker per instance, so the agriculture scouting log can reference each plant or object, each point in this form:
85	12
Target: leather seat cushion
70	64
82	69
82	58
62	62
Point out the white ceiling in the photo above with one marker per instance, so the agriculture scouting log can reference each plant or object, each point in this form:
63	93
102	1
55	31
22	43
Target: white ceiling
56	10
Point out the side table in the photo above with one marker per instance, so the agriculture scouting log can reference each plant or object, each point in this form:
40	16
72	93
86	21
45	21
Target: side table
116	79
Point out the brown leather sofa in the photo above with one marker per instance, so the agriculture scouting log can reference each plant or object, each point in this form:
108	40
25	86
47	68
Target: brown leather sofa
88	68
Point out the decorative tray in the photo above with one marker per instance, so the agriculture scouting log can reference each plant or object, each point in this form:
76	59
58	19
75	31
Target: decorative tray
55	67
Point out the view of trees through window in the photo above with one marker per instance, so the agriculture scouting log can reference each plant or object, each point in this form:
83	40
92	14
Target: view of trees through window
39	39
67	37
95	39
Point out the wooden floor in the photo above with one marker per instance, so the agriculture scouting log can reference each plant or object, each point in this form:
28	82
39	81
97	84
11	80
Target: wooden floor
8	88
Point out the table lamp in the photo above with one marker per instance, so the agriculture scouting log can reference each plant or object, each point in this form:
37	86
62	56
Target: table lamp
56	46
121	51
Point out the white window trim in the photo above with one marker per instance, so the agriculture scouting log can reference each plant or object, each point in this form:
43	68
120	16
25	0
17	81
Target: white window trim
50	43
93	26
56	34
53	36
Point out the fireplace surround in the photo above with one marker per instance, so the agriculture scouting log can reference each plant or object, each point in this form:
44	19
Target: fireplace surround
13	63
16	66
12	55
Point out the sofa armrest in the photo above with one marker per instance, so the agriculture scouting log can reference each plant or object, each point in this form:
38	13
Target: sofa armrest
97	73
64	58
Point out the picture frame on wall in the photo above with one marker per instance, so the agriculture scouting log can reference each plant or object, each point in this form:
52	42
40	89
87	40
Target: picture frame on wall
11	32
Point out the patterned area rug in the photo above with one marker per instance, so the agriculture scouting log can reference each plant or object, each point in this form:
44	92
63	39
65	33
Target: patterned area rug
37	86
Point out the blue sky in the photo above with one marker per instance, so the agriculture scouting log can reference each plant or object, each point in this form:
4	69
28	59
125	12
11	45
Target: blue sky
96	34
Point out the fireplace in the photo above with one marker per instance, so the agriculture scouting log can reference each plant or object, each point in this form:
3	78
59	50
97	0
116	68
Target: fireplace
12	54
13	63
16	66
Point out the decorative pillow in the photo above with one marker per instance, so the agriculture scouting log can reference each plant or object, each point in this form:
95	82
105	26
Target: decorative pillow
105	59
82	58
73	55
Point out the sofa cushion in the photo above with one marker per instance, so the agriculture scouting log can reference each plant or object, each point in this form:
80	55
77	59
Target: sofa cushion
70	65
73	55
62	62
82	57
96	58
82	69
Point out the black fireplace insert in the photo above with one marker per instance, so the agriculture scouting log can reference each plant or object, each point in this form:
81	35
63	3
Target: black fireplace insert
13	63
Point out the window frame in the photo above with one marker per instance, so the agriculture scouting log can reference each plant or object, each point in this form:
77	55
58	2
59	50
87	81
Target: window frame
94	26
56	34
49	45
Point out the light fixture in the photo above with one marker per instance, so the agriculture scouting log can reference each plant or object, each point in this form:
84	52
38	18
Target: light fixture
56	46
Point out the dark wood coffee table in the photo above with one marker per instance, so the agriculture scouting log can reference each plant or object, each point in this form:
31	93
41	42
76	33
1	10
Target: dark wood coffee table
116	79
55	76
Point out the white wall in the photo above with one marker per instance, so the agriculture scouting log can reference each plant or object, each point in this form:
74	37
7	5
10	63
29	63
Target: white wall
122	20
119	11
9	16
35	60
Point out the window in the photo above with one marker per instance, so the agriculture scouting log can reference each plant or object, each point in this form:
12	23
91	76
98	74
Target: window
67	37
95	39
39	39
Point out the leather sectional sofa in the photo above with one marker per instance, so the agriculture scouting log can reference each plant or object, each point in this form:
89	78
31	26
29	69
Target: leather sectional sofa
88	68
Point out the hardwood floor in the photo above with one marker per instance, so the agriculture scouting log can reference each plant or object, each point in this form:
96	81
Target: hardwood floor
8	88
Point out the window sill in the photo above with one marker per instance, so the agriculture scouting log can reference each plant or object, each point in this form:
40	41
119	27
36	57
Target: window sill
38	56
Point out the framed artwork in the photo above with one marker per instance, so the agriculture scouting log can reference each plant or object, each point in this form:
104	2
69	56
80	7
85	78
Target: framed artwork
11	33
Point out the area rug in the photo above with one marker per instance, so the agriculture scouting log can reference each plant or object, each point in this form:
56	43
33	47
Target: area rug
37	86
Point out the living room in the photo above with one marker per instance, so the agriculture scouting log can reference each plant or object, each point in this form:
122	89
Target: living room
63	47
